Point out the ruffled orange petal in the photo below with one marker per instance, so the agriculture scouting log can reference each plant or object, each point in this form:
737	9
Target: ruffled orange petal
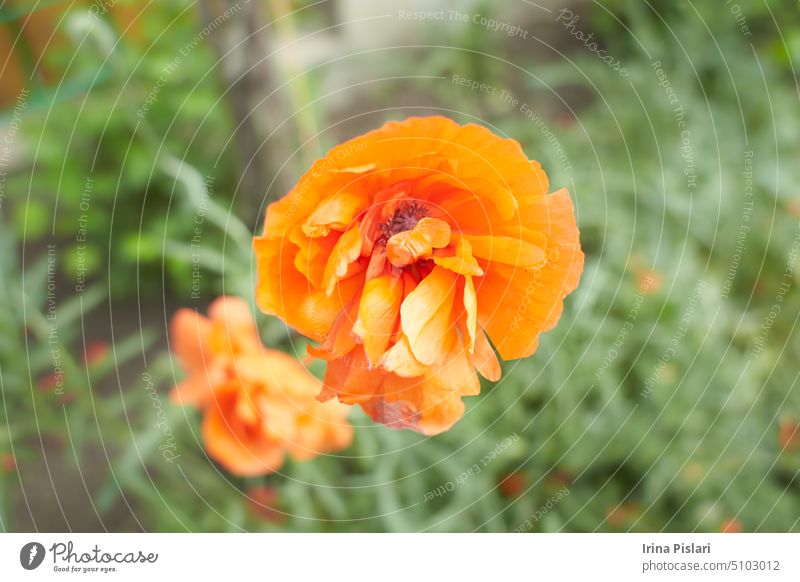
408	246
351	378
312	257
193	391
234	445
335	212
346	250
515	305
234	327
286	377
421	404
401	361
340	340
462	261
506	250
321	181
284	292
485	360
378	315
471	312
457	373
426	316
320	427
234	314
499	195
190	333
482	155
554	216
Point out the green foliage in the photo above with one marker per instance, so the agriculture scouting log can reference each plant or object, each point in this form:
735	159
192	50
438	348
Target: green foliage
48	379
94	168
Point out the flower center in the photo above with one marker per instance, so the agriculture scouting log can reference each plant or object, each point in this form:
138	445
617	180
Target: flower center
406	217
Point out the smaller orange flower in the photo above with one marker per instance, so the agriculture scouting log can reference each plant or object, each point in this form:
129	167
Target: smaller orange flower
259	404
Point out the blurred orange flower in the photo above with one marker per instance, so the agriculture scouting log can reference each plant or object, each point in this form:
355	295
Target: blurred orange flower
789	435
794	207
511	484
623	514
405	251
731	525
96	352
8	462
259	404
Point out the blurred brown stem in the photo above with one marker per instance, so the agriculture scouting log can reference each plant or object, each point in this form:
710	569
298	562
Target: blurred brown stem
260	145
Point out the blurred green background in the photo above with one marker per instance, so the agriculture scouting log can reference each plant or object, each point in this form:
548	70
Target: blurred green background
667	398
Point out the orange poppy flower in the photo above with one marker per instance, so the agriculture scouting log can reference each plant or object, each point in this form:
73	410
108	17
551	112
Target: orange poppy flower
405	251
259	404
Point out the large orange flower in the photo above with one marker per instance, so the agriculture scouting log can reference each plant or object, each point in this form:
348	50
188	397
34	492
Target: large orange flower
402	249
259	404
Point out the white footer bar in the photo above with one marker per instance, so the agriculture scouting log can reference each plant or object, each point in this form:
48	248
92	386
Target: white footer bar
401	557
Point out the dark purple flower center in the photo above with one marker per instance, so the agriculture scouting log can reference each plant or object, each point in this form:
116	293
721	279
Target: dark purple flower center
406	217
